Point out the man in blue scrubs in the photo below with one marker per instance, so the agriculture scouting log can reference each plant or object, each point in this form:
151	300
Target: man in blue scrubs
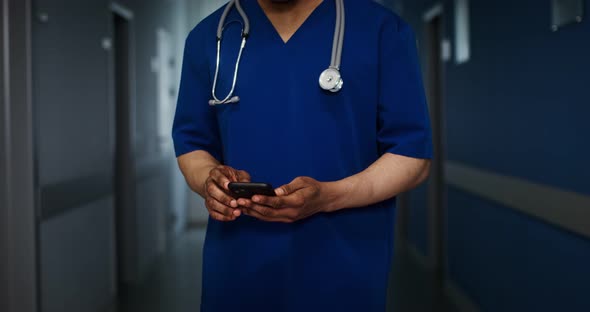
325	242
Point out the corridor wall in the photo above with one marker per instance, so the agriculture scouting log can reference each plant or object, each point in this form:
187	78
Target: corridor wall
516	111
74	109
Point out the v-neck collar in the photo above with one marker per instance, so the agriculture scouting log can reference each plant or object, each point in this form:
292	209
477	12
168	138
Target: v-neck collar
265	19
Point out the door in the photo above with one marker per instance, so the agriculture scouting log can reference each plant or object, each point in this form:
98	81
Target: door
18	223
124	164
436	196
421	217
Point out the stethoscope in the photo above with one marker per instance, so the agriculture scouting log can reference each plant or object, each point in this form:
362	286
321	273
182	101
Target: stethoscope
330	79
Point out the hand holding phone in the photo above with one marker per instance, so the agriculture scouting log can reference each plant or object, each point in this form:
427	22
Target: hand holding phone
247	190
220	204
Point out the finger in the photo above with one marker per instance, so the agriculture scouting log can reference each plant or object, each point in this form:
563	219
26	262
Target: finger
231	173
214	205
221	177
220	217
220	195
244	176
283	190
265	211
270	201
244	203
294	200
256	213
292	187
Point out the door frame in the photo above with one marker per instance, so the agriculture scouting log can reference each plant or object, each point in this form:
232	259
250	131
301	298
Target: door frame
403	200
19	273
125	238
436	185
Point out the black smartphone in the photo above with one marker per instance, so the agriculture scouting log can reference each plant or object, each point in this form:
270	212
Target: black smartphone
247	190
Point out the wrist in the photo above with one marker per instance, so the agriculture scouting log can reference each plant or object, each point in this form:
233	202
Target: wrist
337	195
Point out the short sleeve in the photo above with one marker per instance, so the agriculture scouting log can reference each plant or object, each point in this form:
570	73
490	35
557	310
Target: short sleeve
195	124
403	118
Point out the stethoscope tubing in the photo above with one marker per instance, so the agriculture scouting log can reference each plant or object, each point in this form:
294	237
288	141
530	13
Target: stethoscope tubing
329	75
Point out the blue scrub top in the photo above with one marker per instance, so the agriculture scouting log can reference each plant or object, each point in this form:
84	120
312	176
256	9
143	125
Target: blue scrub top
286	126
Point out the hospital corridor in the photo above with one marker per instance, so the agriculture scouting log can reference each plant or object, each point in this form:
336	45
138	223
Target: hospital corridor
97	216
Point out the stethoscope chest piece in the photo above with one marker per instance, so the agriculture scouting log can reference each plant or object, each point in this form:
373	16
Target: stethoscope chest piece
331	80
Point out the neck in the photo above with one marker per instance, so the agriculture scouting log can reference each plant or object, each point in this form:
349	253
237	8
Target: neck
292	6
287	17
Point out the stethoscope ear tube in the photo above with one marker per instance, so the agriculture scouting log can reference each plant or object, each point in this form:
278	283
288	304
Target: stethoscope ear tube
330	79
230	98
228	7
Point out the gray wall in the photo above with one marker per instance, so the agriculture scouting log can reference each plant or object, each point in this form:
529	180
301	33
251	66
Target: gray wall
4	212
73	97
18	278
77	258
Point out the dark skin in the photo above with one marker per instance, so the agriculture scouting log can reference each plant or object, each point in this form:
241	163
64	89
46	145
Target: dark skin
300	199
295	201
304	197
288	16
219	203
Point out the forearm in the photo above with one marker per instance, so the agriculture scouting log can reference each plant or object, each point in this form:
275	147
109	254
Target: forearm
195	167
389	176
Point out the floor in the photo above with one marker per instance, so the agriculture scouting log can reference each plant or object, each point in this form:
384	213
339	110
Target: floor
413	288
175	285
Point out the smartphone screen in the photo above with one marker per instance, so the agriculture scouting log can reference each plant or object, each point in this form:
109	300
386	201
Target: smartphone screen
247	190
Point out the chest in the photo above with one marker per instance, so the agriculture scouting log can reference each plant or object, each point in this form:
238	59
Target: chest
272	75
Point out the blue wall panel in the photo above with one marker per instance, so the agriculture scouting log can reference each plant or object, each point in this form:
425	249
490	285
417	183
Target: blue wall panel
507	261
520	107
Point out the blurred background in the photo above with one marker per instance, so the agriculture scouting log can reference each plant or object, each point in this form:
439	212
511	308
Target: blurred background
95	216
